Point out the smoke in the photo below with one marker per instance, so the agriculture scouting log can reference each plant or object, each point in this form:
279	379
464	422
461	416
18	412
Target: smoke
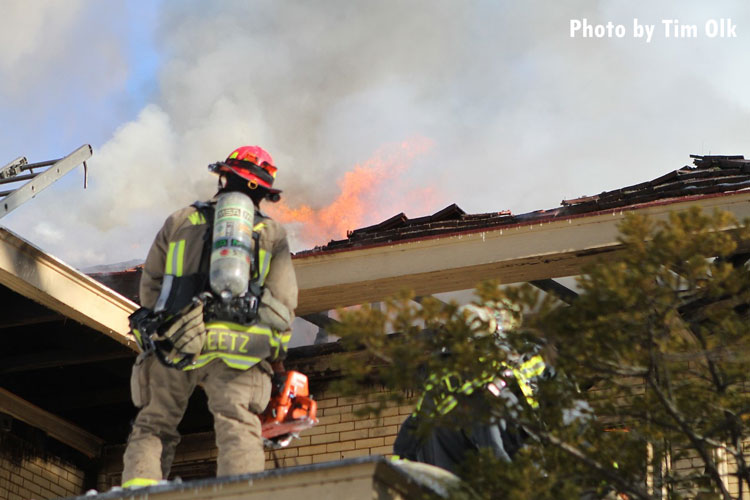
519	115
63	70
27	29
367	195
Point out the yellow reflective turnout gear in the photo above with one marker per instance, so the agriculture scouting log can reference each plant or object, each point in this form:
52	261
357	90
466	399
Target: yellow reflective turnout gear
176	253
139	482
524	374
239	346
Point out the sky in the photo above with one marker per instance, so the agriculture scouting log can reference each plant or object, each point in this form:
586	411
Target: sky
368	108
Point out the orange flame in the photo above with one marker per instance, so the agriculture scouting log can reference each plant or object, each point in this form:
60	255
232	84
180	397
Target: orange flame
360	202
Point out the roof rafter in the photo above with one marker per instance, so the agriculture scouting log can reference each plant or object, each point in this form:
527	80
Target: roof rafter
62	430
559	290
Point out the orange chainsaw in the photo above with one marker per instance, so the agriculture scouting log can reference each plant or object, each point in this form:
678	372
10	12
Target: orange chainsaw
290	410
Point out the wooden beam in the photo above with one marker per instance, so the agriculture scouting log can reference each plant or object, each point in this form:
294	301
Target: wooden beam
418	299
524	252
54	426
320	320
558	290
37	275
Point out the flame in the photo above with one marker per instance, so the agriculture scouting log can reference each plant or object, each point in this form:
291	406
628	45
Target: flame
361	200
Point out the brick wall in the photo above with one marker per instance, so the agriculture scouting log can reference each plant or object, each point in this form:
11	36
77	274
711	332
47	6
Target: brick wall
727	468
340	433
39	479
691	462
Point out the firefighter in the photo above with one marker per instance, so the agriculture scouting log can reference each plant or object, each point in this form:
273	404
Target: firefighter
447	444
232	362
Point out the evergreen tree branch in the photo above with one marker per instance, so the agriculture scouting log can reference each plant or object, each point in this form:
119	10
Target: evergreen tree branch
713	369
612	368
698	441
624	486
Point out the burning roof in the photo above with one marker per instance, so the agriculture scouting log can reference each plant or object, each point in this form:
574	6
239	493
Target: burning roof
710	175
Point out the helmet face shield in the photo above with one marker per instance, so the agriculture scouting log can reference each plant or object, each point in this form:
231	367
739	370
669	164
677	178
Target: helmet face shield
253	173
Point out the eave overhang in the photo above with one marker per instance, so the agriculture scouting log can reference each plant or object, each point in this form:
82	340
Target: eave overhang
47	280
546	247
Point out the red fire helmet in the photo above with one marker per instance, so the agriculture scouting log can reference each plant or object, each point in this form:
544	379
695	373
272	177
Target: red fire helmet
252	163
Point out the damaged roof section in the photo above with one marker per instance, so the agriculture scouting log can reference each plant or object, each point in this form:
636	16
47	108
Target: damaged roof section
399	227
710	175
126	282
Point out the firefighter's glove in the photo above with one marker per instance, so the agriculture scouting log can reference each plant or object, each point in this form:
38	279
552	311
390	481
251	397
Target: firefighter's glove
143	323
273	313
186	331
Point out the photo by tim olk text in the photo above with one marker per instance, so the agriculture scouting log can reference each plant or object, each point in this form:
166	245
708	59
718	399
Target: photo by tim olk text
667	28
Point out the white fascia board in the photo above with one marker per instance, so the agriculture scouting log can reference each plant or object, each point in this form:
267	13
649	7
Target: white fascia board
47	280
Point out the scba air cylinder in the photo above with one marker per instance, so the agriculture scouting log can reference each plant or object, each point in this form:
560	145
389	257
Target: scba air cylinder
231	254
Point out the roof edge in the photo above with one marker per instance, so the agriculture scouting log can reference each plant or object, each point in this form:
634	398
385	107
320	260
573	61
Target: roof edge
39	276
551	215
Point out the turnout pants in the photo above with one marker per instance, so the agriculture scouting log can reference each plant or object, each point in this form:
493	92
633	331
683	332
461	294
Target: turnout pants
235	398
447	447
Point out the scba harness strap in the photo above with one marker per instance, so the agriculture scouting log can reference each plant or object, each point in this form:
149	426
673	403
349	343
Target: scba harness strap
251	343
178	289
148	327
